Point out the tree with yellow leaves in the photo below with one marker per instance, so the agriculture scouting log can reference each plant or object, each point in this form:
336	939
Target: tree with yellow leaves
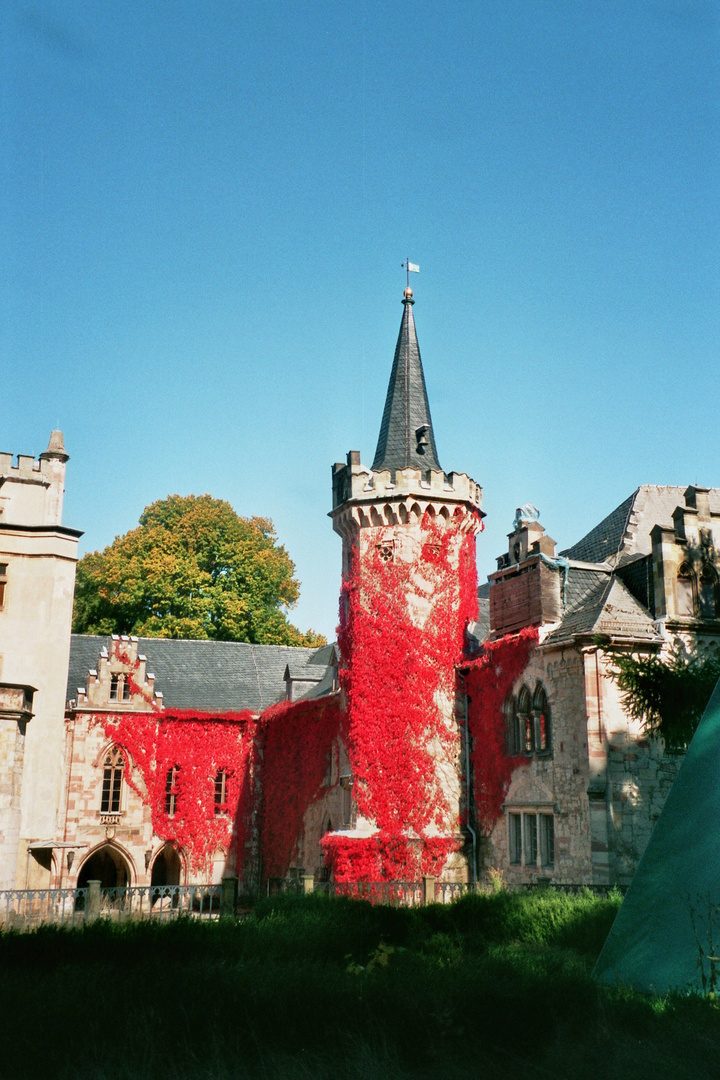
192	569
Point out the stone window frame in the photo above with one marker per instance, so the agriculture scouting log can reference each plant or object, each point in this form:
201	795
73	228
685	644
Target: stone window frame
220	792
531	837
171	790
112	791
525	733
119	687
3	584
686	574
542	721
513	742
708	576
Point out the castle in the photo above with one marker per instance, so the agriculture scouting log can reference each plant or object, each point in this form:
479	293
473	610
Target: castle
451	732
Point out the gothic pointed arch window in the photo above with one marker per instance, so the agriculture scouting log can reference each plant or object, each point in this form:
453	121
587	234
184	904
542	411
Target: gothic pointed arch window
686	591
112	785
708	593
525	721
512	741
541	715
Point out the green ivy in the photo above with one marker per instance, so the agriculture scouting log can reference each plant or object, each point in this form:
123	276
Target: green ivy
668	695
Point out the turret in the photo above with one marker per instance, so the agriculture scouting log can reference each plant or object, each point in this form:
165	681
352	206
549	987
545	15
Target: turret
408	531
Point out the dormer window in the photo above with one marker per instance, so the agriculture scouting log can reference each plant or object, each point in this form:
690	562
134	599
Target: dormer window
421	438
686	591
119	687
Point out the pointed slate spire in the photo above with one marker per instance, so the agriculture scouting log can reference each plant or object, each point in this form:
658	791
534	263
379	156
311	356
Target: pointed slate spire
406	435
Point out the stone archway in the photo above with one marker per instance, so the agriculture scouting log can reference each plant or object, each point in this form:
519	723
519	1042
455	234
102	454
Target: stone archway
106	865
167	867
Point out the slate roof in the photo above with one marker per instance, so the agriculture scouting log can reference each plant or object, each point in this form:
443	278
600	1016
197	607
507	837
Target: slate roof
625	533
597	602
212	676
406	407
479	630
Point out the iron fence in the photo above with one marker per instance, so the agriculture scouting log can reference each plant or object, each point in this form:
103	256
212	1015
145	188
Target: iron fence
25	909
160	901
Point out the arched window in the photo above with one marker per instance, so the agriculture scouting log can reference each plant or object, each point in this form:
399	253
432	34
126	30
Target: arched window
221	791
525	721
509	714
708	593
541	711
171	790
113	769
685	591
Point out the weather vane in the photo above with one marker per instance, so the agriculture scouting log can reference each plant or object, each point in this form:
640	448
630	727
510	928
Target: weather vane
411	268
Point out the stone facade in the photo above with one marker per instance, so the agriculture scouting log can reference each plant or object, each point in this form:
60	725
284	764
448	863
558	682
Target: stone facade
604	779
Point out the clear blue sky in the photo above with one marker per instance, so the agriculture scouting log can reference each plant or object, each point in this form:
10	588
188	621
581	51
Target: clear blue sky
205	206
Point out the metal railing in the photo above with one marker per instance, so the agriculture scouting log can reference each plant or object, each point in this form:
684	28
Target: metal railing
159	902
25	909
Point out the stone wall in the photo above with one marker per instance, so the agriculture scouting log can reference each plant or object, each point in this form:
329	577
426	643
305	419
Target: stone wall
35	621
556	783
129	830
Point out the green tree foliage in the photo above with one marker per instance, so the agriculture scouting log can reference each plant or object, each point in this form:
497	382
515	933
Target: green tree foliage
670	695
192	569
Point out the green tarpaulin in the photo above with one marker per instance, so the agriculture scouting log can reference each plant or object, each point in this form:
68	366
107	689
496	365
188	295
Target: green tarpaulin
668	927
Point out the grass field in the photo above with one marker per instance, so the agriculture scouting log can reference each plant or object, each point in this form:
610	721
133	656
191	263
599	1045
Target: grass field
496	985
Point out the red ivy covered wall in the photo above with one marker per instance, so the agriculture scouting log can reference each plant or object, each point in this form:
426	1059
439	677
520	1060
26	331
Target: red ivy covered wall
297	740
402	632
200	745
401	637
488	681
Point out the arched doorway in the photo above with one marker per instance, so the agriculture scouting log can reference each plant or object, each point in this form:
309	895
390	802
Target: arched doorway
107	866
167	868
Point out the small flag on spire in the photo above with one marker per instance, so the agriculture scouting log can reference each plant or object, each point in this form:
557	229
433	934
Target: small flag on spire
409	268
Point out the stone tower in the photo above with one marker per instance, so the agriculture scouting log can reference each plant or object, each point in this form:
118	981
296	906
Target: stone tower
408	531
37	578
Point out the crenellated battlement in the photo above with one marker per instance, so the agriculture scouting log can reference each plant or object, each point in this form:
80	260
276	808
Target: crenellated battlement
363	497
31	490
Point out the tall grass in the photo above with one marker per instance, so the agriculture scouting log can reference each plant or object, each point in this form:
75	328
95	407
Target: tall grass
495	985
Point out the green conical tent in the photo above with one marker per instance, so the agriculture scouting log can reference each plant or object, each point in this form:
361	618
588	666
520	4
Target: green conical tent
668	927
